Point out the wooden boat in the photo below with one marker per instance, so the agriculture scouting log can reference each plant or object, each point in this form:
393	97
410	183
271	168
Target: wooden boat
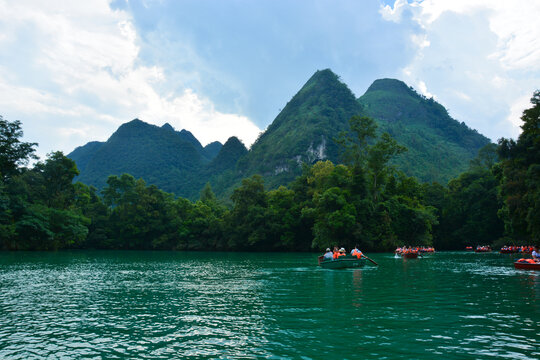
342	262
526	265
410	255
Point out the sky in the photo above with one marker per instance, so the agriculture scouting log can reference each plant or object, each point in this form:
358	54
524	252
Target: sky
73	71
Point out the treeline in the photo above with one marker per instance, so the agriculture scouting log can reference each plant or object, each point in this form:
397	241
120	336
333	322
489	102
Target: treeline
363	201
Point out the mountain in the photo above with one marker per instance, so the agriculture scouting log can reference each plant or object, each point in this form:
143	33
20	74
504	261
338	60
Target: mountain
211	150
84	153
439	146
303	131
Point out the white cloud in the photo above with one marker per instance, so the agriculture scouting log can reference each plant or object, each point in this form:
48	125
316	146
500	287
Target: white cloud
76	72
480	58
394	13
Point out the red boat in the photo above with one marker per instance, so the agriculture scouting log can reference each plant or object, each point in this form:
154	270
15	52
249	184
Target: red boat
527	264
410	255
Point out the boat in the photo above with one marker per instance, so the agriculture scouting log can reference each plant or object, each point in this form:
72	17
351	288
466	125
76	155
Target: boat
482	249
410	255
343	262
527	264
469	248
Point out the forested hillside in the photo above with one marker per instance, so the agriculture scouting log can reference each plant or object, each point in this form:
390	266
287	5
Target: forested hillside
305	131
439	146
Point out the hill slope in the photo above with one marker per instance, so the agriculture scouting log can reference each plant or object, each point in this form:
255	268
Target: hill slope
303	131
440	147
159	155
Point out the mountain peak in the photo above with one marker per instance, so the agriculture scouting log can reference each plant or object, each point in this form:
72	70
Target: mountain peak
167	126
392	85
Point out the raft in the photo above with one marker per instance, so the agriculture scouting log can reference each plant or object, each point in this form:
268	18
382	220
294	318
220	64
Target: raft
343	262
526	265
410	255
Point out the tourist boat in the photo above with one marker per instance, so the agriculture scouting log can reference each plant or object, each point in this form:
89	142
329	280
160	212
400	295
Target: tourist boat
342	262
527	264
410	255
481	249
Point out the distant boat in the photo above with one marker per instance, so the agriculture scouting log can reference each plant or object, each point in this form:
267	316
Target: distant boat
342	262
481	249
410	255
527	264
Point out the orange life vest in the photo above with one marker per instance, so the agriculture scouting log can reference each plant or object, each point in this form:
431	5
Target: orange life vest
357	253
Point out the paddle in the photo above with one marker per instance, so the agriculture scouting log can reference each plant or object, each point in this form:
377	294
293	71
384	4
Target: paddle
370	259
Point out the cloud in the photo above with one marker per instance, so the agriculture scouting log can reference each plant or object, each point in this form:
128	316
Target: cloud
71	72
480	58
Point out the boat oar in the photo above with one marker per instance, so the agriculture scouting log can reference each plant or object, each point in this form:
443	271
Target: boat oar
370	259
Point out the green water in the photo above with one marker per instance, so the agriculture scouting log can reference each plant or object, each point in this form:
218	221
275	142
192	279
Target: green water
164	305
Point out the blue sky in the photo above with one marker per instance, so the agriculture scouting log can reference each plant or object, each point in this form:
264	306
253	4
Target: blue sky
73	71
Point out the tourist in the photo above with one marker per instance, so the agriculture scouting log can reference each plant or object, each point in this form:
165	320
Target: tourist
356	252
328	255
341	253
535	254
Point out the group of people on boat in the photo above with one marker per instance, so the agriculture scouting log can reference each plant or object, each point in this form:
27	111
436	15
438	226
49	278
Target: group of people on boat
407	250
339	252
485	248
517	249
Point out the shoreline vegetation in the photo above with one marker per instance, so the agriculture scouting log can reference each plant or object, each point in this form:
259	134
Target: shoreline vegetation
363	201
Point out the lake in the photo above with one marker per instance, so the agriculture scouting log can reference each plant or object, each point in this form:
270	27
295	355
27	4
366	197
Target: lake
165	305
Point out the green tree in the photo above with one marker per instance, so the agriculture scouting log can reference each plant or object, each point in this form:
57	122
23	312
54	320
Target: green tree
13	152
519	175
247	218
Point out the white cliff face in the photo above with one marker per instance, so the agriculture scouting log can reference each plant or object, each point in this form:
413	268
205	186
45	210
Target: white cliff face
311	155
317	153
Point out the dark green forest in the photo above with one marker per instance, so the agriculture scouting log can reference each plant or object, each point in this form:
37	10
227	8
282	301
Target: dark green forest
366	200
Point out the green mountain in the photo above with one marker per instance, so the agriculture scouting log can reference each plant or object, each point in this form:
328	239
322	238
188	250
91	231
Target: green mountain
304	130
440	147
161	156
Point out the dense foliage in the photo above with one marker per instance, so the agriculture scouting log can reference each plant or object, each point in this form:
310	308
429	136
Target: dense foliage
439	146
520	177
365	200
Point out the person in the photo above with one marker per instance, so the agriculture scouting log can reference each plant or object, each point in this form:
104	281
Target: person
356	252
336	253
535	254
340	253
328	255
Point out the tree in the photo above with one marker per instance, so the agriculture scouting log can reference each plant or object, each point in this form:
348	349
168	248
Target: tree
13	152
247	223
355	143
378	157
520	189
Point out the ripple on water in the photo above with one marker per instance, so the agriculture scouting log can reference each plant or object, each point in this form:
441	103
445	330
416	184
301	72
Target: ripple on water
170	305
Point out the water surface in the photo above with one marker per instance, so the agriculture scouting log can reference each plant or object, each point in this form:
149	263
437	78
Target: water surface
164	305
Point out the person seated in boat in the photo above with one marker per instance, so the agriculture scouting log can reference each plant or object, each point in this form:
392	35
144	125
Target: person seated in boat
328	255
341	253
535	254
335	253
355	252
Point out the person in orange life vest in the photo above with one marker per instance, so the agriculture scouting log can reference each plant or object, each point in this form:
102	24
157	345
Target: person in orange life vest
356	252
336	253
341	253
